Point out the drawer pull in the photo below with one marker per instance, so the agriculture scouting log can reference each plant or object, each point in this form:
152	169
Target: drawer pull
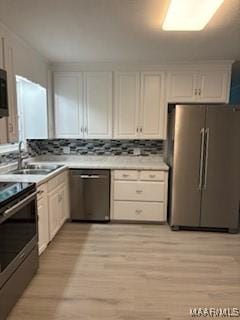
125	175
139	191
138	211
152	176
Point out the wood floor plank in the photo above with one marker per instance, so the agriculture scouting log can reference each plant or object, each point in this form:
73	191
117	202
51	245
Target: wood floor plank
132	272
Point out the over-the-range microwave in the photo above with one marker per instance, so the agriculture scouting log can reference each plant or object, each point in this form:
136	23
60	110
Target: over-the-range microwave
3	94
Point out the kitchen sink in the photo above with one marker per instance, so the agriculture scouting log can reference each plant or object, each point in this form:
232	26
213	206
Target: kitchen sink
36	166
31	171
37	169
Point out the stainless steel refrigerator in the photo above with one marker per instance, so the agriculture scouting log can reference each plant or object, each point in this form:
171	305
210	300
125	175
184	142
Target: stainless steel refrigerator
204	157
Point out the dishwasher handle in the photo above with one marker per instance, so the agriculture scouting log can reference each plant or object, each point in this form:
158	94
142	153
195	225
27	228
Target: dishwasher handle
93	176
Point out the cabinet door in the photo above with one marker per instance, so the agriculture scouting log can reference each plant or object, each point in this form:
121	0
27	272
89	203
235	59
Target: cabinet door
1	51
12	119
54	212
213	86
68	93
182	86
153	107
62	205
98	105
127	92
3	131
43	230
3	121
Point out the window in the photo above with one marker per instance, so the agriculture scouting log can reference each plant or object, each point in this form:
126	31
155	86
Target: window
32	110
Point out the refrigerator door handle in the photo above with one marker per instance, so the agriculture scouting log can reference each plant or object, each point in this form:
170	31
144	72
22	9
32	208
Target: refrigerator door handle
202	133
206	158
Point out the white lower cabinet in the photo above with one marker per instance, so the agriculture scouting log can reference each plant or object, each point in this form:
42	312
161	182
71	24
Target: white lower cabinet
139	195
139	191
131	210
54	200
53	208
43	227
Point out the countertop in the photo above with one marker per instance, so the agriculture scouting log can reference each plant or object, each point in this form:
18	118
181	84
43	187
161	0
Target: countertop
84	162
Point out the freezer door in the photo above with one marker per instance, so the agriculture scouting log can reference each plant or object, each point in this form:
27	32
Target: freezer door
186	172
221	185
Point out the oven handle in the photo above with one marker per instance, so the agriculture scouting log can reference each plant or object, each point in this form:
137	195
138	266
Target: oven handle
19	205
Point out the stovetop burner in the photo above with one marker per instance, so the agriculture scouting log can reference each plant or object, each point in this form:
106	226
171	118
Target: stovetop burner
10	190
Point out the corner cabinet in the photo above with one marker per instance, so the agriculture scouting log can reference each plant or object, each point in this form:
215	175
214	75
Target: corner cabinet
140	109
206	85
83	104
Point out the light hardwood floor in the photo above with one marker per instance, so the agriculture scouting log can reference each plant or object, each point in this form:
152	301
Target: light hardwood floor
132	272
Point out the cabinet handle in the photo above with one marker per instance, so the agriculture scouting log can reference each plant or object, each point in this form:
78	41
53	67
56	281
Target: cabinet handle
85	129
195	92
199	92
81	129
138	211
139	191
152	176
137	129
125	175
141	129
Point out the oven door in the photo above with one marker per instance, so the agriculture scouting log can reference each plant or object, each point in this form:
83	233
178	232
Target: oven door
3	94
18	235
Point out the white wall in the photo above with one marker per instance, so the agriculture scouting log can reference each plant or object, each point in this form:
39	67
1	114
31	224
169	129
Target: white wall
28	63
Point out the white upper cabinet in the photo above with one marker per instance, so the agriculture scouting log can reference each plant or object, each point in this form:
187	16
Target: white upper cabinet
98	105
211	85
181	86
68	92
126	113
152	121
214	86
139	105
1	51
12	119
83	105
3	121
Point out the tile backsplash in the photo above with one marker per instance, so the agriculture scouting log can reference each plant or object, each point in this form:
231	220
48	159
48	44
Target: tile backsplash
9	157
93	147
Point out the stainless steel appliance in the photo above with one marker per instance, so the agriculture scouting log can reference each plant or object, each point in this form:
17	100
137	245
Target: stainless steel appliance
204	156
90	195
18	241
3	94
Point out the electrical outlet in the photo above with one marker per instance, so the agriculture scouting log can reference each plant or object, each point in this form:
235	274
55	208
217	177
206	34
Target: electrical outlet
66	150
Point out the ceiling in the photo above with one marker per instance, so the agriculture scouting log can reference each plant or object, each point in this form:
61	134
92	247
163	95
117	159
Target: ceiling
118	31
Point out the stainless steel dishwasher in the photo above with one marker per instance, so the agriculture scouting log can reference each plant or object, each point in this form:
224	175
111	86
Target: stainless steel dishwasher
90	195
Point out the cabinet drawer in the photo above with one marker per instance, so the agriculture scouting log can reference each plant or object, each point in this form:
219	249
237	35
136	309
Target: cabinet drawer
126	174
139	191
152	175
56	181
139	211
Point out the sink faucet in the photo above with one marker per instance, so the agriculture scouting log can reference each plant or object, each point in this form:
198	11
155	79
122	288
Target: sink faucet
20	156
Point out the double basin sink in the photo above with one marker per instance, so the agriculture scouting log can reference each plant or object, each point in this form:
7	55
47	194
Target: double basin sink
36	169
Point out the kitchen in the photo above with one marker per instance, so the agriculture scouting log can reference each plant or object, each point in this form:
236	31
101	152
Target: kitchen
119	159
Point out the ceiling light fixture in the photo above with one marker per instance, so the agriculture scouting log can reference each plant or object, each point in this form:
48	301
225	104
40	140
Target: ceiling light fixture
190	15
